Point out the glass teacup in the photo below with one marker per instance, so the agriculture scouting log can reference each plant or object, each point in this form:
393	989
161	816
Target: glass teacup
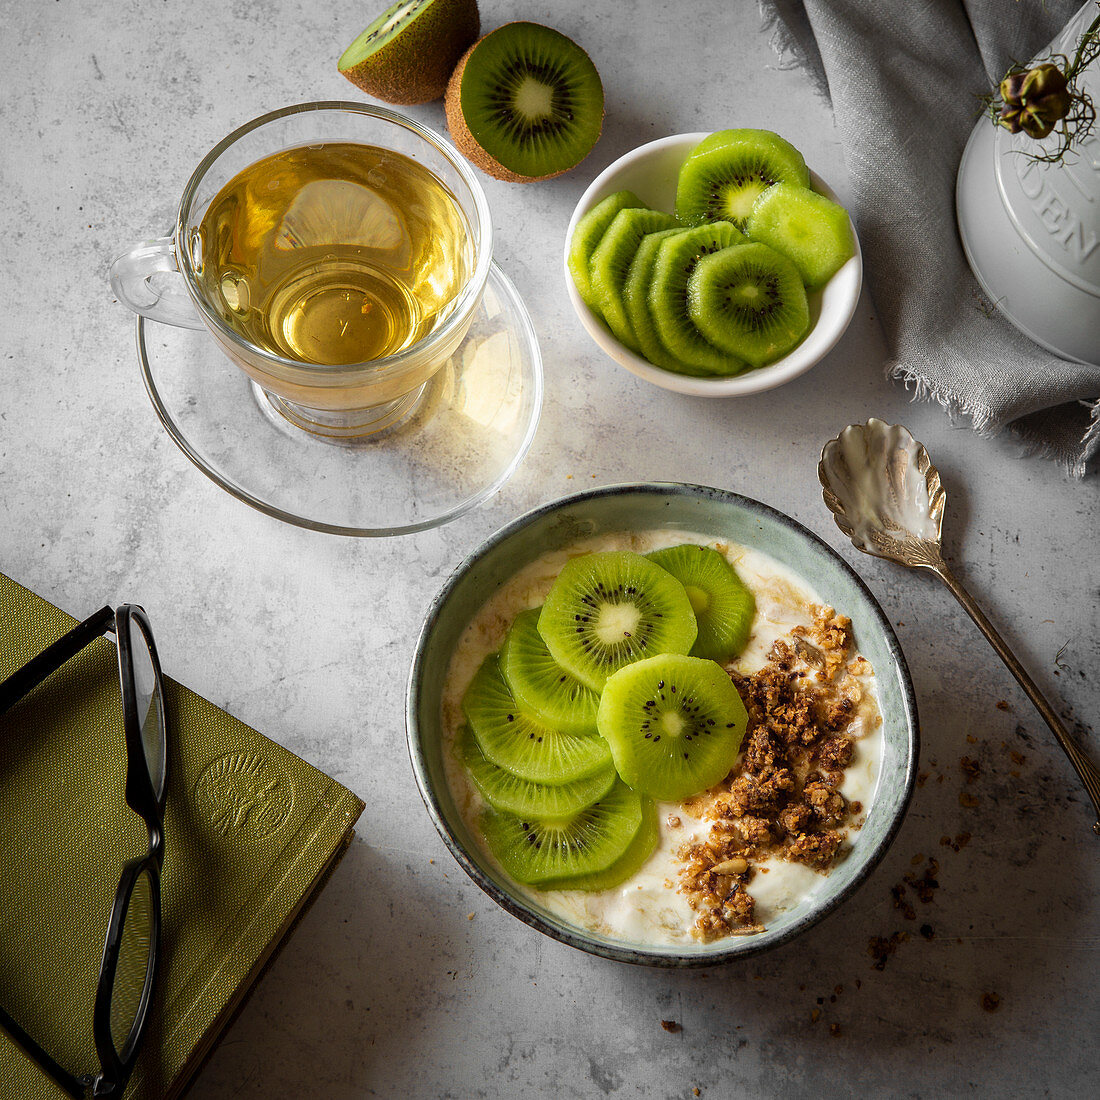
335	251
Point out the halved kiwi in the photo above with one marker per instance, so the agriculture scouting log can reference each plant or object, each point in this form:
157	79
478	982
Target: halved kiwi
535	851
750	301
509	793
517	742
408	53
587	235
813	232
611	262
540	684
724	174
668	297
674	724
723	606
608	609
525	103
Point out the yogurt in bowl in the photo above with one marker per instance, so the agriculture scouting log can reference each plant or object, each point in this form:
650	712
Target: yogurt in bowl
726	880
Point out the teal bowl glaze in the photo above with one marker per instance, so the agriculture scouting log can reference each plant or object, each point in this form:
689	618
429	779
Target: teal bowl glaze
705	511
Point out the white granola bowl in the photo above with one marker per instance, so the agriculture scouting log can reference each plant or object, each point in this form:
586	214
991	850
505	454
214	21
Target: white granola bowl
713	513
650	171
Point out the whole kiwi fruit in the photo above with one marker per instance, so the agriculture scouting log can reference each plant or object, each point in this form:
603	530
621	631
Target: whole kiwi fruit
408	53
525	103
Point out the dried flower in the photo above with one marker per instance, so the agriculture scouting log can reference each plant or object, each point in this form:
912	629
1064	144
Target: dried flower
1034	100
1045	98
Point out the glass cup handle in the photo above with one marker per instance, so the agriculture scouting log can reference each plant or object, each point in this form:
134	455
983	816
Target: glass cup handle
147	280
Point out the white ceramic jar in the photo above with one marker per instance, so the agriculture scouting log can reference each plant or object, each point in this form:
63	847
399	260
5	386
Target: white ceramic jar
1031	231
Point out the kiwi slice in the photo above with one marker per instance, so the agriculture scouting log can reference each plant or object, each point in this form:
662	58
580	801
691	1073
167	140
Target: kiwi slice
536	850
674	724
525	103
408	53
724	174
510	794
636	302
517	742
750	301
809	229
668	297
540	685
587	235
611	262
723	606
631	861
608	609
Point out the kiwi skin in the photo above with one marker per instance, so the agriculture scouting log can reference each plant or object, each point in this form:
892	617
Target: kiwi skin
416	63
467	143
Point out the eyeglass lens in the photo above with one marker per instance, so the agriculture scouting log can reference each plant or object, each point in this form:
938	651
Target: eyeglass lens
149	707
133	960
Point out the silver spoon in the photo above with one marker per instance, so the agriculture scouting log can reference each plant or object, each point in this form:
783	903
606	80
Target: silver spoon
886	496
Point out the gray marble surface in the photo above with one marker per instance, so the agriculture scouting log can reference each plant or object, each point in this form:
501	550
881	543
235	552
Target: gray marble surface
404	979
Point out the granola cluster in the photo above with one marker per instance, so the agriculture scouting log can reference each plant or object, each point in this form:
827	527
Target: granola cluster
782	800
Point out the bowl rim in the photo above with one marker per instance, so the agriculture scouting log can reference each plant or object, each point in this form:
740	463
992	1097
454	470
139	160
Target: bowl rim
741	947
757	380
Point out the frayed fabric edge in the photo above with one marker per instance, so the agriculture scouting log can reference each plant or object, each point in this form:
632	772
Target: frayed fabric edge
790	53
980	416
987	425
1090	443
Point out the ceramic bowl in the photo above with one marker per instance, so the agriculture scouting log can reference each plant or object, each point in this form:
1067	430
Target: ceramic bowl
650	171
708	512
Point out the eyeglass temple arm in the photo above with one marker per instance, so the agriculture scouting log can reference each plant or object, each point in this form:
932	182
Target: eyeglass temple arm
25	679
72	1085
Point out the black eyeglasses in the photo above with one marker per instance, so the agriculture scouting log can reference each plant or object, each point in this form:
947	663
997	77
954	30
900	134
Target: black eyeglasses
132	946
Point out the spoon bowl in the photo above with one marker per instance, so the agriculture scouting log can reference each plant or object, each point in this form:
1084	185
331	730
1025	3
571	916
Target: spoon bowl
884	492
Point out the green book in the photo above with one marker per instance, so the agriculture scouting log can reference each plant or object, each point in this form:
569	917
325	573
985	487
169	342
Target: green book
251	833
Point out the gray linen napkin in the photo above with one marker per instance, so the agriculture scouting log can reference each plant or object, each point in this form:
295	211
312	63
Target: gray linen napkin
903	77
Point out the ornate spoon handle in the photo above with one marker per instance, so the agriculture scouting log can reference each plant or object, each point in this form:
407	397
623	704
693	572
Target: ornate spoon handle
1082	765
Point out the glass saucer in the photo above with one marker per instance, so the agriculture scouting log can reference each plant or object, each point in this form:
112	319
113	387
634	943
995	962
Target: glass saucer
462	438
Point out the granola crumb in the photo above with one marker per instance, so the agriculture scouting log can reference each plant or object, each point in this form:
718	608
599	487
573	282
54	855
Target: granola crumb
671	1025
880	948
1002	704
967	800
972	769
991	1001
925	886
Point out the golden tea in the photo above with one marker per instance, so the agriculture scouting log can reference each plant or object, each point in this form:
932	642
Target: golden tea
334	253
